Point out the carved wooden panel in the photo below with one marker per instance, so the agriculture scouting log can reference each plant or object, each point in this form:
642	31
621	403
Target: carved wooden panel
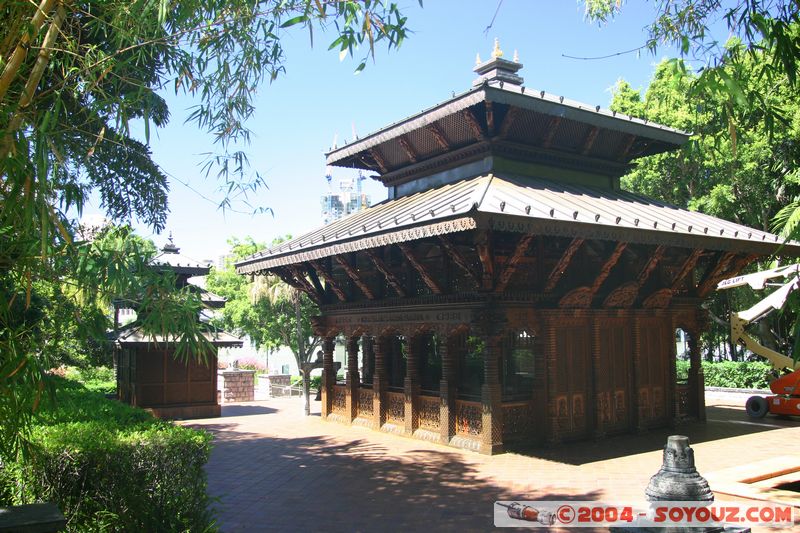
339	402
468	418
517	419
620	407
365	403
428	411
654	370
395	408
682	399
615	352
573	373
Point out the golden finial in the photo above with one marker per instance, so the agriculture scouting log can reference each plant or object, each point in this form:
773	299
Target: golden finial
477	59
516	57
497	52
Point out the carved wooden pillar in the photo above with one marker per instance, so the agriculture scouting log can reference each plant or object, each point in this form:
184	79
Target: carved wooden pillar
352	379
697	392
381	347
447	392
367	356
598	409
636	379
492	419
328	375
552	430
411	383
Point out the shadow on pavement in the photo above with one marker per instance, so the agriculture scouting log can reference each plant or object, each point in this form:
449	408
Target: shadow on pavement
313	483
721	423
245	410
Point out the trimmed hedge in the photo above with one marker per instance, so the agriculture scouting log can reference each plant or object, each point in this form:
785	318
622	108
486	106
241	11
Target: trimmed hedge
111	467
736	374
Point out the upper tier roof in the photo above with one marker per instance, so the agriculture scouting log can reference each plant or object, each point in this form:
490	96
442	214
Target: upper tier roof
501	118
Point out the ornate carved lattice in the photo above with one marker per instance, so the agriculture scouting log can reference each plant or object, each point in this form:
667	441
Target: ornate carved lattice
468	418
428	412
395	408
682	399
620	411
658	402
517	419
339	403
364	403
604	407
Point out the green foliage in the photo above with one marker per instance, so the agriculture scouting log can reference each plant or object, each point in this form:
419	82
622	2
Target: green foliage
73	75
96	379
109	466
732	374
264	309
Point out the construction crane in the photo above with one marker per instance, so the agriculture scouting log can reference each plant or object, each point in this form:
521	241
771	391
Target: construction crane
786	389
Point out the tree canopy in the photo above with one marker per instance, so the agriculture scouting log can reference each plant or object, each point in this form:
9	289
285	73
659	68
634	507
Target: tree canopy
74	77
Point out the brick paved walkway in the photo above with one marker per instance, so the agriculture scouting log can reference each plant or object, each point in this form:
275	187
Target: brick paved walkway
274	470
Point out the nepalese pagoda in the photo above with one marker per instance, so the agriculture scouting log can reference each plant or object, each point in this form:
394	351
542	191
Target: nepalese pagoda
149	375
509	291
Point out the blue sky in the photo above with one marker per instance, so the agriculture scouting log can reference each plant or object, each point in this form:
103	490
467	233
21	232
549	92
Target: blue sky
319	98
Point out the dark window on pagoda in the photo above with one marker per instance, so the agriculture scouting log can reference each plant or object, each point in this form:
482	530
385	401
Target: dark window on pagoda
430	364
396	365
517	372
470	368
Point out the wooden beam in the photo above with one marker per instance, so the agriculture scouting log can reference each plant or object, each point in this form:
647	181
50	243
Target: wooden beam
686	268
312	274
408	149
419	267
511	265
563	263
350	271
477	131
625	295
288	279
379	160
605	270
489	118
734	267
714	274
303	284
483	245
459	259
337	290
589	142
438	134
552	128
626	147
581	297
508	121
390	278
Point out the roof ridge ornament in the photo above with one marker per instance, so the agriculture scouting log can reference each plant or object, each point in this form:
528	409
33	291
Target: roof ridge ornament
497	69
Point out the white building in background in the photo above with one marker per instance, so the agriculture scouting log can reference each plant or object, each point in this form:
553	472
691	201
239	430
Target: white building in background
350	199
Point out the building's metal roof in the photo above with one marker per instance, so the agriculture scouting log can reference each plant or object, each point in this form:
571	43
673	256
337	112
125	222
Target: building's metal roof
536	111
520	204
134	335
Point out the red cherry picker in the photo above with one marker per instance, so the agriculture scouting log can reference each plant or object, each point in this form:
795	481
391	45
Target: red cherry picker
785	398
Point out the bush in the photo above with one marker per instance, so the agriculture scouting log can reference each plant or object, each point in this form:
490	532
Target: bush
98	379
735	374
109	466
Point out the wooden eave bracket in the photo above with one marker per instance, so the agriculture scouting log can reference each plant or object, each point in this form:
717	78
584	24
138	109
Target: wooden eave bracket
511	265
390	278
353	275
302	283
489	118
660	299
337	290
508	121
561	267
625	295
379	160
420	268
408	149
581	297
590	139
552	128
484	249
734	266
474	126
440	137
459	259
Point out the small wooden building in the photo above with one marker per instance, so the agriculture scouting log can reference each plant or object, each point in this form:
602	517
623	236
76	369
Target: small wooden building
148	373
509	290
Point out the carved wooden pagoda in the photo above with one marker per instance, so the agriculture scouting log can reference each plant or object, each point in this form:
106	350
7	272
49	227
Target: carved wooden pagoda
509	290
149	375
